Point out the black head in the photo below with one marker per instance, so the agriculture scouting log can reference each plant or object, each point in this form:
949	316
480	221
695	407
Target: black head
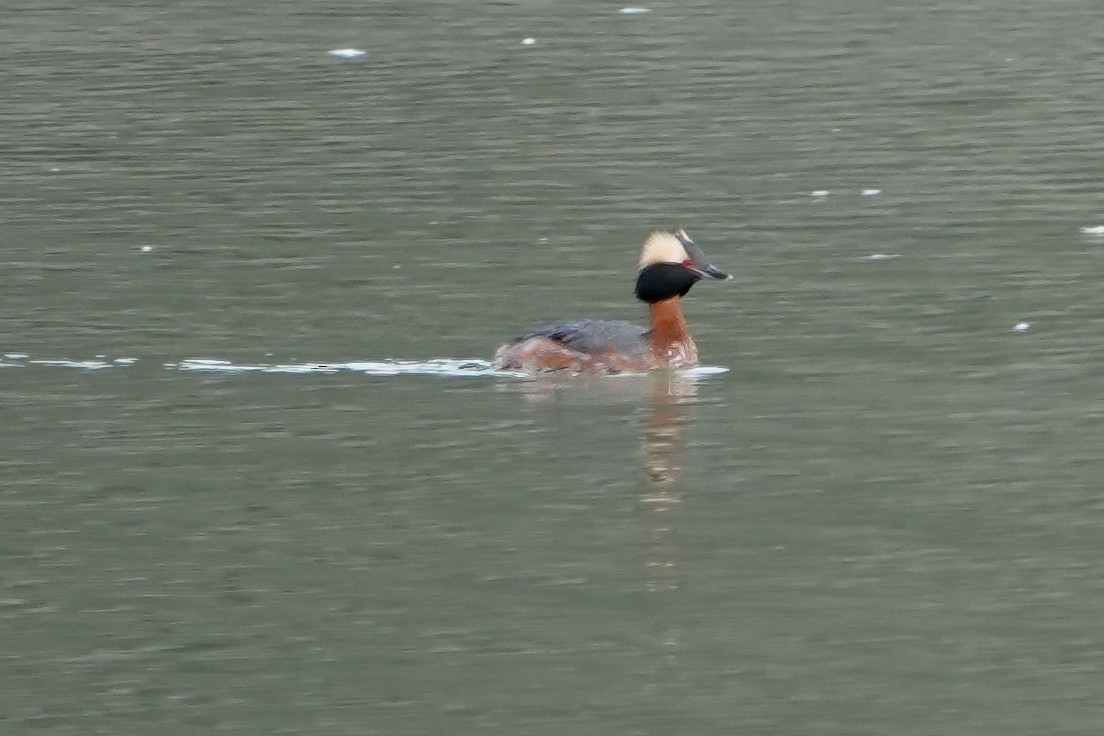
670	265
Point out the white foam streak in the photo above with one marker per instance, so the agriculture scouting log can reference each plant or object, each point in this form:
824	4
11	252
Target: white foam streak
438	367
451	367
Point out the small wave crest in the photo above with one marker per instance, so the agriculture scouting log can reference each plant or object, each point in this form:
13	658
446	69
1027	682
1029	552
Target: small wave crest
21	360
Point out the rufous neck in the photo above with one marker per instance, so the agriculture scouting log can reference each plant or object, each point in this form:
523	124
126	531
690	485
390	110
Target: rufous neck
668	323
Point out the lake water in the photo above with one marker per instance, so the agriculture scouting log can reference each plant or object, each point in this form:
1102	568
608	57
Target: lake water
255	479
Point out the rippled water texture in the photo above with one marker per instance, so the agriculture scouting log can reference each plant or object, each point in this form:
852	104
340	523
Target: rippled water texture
257	475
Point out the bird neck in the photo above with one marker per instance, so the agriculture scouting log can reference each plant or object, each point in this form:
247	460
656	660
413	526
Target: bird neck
670	333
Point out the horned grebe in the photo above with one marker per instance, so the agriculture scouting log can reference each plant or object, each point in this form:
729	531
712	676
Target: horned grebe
670	264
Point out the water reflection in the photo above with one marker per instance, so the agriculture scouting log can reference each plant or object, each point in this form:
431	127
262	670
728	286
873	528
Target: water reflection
665	399
661	411
661	492
661	495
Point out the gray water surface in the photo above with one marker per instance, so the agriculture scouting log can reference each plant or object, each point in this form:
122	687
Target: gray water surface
255	479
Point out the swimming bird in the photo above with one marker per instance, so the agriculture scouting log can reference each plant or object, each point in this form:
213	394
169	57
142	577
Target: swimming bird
670	263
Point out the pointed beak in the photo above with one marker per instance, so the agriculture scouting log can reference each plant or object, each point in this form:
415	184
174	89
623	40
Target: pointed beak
709	271
699	262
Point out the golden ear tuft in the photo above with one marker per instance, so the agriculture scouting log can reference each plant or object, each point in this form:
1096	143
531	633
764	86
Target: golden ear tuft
663	247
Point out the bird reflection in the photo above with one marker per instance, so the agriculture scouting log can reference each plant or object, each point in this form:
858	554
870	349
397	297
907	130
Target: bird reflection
665	398
661	493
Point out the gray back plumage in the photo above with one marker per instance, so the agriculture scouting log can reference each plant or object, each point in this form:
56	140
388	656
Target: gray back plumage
593	336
